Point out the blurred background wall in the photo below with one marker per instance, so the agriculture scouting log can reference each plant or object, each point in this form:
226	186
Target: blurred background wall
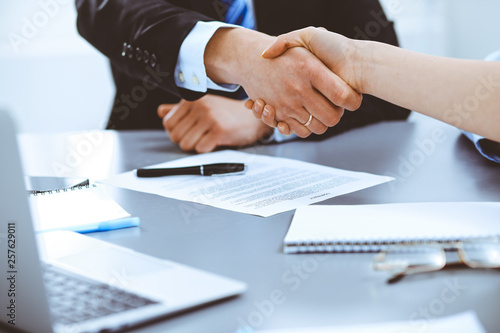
55	81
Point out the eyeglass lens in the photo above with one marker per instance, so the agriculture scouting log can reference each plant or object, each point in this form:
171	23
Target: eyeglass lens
421	258
482	255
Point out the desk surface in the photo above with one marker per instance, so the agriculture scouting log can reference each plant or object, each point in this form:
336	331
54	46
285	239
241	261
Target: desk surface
430	161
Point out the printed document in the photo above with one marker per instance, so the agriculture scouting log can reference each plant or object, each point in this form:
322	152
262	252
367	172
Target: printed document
270	185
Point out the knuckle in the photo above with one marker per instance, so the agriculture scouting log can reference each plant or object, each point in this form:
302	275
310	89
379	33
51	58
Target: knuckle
168	125
295	88
300	132
302	135
216	129
202	148
321	130
174	136
316	72
186	146
174	139
300	63
334	117
341	96
310	29
359	101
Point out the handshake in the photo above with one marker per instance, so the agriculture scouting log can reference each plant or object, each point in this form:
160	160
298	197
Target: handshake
312	75
301	83
334	91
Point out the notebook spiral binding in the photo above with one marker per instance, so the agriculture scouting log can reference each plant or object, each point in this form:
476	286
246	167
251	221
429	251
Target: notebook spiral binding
83	185
361	246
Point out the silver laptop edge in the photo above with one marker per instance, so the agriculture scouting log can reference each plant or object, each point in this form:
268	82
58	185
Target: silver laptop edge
22	290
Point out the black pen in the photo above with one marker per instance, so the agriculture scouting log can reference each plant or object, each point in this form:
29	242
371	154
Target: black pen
201	170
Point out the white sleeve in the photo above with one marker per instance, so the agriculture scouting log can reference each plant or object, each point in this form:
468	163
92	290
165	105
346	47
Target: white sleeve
277	137
190	72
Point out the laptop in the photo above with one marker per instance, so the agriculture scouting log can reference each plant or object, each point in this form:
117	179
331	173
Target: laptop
67	282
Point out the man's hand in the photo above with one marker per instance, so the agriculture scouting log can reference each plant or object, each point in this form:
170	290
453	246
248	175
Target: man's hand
211	122
297	83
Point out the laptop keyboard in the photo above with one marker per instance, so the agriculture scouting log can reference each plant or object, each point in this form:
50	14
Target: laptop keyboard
73	299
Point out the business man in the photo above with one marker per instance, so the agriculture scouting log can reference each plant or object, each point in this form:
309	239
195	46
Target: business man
150	46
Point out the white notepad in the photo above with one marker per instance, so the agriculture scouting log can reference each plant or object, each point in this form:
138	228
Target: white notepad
80	209
365	228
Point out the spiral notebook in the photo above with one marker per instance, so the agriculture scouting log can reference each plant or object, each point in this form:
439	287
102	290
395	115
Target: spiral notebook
369	228
84	208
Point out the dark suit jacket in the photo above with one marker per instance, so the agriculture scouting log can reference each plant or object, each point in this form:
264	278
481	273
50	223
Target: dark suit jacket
142	40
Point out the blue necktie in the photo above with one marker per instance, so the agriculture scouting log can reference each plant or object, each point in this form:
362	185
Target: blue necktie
238	13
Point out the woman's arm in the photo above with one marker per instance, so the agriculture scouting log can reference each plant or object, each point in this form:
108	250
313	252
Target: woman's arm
463	93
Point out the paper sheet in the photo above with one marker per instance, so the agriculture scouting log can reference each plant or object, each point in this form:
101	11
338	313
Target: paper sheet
466	322
271	185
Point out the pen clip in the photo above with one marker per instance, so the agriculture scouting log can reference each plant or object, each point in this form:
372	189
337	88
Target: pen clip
232	173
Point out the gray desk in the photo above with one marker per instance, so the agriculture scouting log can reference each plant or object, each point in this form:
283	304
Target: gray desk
431	162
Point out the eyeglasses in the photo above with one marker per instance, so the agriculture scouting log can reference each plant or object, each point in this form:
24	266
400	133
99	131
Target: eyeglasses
402	260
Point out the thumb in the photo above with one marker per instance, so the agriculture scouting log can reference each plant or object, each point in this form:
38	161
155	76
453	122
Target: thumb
276	49
163	109
287	41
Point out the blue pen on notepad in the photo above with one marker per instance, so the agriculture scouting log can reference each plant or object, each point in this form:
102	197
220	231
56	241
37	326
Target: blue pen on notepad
125	222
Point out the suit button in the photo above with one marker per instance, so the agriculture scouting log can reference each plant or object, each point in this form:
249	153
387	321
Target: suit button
130	52
195	80
124	50
153	60
181	77
138	54
145	56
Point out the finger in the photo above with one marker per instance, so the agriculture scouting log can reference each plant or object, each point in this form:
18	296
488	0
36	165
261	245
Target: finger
300	114
258	108
183	127
336	90
298	128
249	104
269	116
281	44
190	139
323	111
180	120
207	143
163	109
174	116
287	41
316	126
283	128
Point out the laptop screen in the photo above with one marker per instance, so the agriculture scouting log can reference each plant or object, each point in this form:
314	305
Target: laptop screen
22	294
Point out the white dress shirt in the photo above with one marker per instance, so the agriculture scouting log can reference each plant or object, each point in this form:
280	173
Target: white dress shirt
190	72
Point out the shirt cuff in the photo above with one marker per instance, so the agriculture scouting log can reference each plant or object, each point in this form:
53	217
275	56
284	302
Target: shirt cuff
190	72
488	148
278	137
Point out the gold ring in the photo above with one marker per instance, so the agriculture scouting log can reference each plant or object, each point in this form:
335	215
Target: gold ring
309	121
